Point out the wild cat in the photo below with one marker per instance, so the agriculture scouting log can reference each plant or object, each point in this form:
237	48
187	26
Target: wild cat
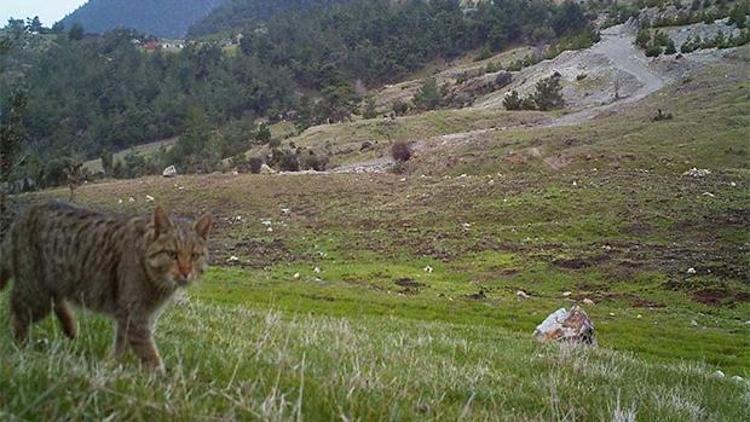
126	268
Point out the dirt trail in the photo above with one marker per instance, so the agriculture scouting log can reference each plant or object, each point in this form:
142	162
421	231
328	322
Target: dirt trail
617	45
618	51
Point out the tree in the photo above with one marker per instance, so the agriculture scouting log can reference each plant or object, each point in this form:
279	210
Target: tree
643	38
12	137
34	25
512	101
107	161
738	14
369	111
429	96
58	28
548	93
263	134
76	32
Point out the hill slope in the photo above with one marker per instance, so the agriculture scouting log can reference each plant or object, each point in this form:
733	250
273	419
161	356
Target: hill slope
163	18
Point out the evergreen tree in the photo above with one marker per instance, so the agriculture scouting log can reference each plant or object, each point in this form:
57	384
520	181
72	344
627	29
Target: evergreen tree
548	94
429	96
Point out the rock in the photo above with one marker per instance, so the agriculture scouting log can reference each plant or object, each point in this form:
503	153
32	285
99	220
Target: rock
691	271
316	270
709	194
737	378
572	326
718	375
588	302
149	198
296	276
466	226
639	316
694	172
233	258
235	173
170	171
265	169
566	294
119	201
522	294
428	269
131	199
694	323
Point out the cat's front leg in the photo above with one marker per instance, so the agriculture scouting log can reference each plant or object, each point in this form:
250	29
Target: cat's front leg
142	342
121	336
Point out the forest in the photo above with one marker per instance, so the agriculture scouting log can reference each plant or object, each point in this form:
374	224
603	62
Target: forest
86	94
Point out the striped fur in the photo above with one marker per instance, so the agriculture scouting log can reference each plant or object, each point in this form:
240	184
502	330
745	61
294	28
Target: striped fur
127	268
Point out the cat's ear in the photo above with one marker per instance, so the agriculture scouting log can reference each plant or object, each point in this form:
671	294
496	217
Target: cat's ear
162	224
203	225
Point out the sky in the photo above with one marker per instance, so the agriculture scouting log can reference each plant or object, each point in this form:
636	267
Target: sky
49	11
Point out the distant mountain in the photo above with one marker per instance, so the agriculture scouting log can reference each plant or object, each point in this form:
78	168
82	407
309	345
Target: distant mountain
237	14
163	18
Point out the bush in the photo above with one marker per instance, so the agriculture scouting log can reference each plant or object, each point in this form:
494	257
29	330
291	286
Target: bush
311	161
289	161
400	151
429	96
548	94
653	51
254	164
512	101
662	116
643	38
400	108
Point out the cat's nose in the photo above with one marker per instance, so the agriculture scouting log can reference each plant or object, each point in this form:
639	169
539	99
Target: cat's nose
182	279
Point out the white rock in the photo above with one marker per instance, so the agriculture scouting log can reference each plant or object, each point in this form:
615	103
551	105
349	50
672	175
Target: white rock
694	323
522	294
233	258
285	211
566	294
572	327
316	270
732	184
718	375
639	316
170	171
575	183
131	199
235	173
695	172
737	378
269	230
266	222
709	194
427	269
691	270
611	314
588	302
264	169
403	179
296	276
149	198
119	201
466	226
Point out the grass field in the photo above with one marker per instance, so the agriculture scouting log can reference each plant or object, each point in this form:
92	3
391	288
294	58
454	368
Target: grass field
330	314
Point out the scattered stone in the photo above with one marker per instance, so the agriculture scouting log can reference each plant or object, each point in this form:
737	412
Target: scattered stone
639	316
149	198
522	294
718	375
732	184
737	378
296	276
566	294
428	269
709	194
233	258
575	183
266	222
691	271
611	314
170	171
572	326
466	226
694	323
269	230
403	179
265	169
588	302
131	199
695	172
119	201
316	270
285	211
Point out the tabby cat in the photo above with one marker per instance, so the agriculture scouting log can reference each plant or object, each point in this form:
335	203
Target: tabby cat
127	268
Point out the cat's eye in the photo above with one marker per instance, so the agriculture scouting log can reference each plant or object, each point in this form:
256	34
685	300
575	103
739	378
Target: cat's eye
196	256
172	254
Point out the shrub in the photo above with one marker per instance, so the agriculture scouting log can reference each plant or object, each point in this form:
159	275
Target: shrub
254	164
400	108
289	161
548	94
311	161
369	111
643	38
670	48
662	116
512	101
653	51
400	151
429	96
581	76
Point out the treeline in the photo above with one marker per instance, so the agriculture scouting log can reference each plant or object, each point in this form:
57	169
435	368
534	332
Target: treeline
88	94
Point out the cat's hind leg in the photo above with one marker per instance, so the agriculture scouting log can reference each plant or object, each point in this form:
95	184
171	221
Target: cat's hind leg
65	315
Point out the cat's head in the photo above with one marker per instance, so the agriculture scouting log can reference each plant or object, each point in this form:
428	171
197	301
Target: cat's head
177	251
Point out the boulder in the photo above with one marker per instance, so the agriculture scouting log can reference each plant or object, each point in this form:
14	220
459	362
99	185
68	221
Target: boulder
170	171
572	326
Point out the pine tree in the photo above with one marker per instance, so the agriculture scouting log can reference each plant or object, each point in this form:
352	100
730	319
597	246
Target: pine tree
548	94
